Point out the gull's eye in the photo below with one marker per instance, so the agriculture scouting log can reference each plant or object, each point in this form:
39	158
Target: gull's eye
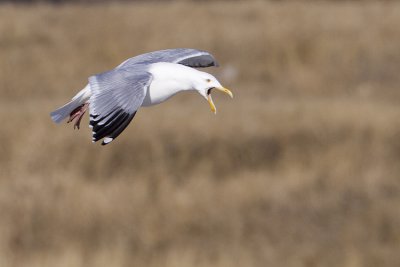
208	80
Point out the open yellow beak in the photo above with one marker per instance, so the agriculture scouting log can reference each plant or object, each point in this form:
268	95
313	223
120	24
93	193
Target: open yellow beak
210	101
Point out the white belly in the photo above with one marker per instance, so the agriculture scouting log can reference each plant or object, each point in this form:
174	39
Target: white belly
158	92
168	79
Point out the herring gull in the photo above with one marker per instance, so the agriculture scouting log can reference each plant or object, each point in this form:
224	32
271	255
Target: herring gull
113	97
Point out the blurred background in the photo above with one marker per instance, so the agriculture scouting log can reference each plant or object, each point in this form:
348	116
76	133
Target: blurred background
301	168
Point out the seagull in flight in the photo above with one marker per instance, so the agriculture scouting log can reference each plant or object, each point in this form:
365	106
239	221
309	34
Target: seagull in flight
113	97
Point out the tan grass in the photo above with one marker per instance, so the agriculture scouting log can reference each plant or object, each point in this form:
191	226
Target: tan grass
299	169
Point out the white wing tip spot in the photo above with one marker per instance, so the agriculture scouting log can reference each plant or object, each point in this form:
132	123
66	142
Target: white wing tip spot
107	140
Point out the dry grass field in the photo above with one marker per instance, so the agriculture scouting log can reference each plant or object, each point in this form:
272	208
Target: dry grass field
300	169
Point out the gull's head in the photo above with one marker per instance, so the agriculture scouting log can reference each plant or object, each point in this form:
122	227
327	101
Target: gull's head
205	84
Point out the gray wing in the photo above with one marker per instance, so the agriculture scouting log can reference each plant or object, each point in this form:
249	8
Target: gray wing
116	96
185	56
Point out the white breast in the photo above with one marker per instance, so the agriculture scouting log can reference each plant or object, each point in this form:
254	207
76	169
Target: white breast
159	91
168	79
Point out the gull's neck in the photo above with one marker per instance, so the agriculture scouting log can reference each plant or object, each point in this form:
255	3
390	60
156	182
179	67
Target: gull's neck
168	80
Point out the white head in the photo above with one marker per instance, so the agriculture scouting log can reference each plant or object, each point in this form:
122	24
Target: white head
170	78
205	83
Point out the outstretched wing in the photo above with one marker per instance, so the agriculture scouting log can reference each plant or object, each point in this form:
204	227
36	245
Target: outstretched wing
185	56
116	96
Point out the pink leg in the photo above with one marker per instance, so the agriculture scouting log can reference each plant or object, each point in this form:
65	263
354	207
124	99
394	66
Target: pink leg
78	114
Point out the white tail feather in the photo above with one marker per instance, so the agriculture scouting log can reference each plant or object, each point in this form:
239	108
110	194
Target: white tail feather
63	112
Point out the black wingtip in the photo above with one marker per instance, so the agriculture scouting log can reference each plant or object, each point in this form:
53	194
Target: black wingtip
112	130
201	61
